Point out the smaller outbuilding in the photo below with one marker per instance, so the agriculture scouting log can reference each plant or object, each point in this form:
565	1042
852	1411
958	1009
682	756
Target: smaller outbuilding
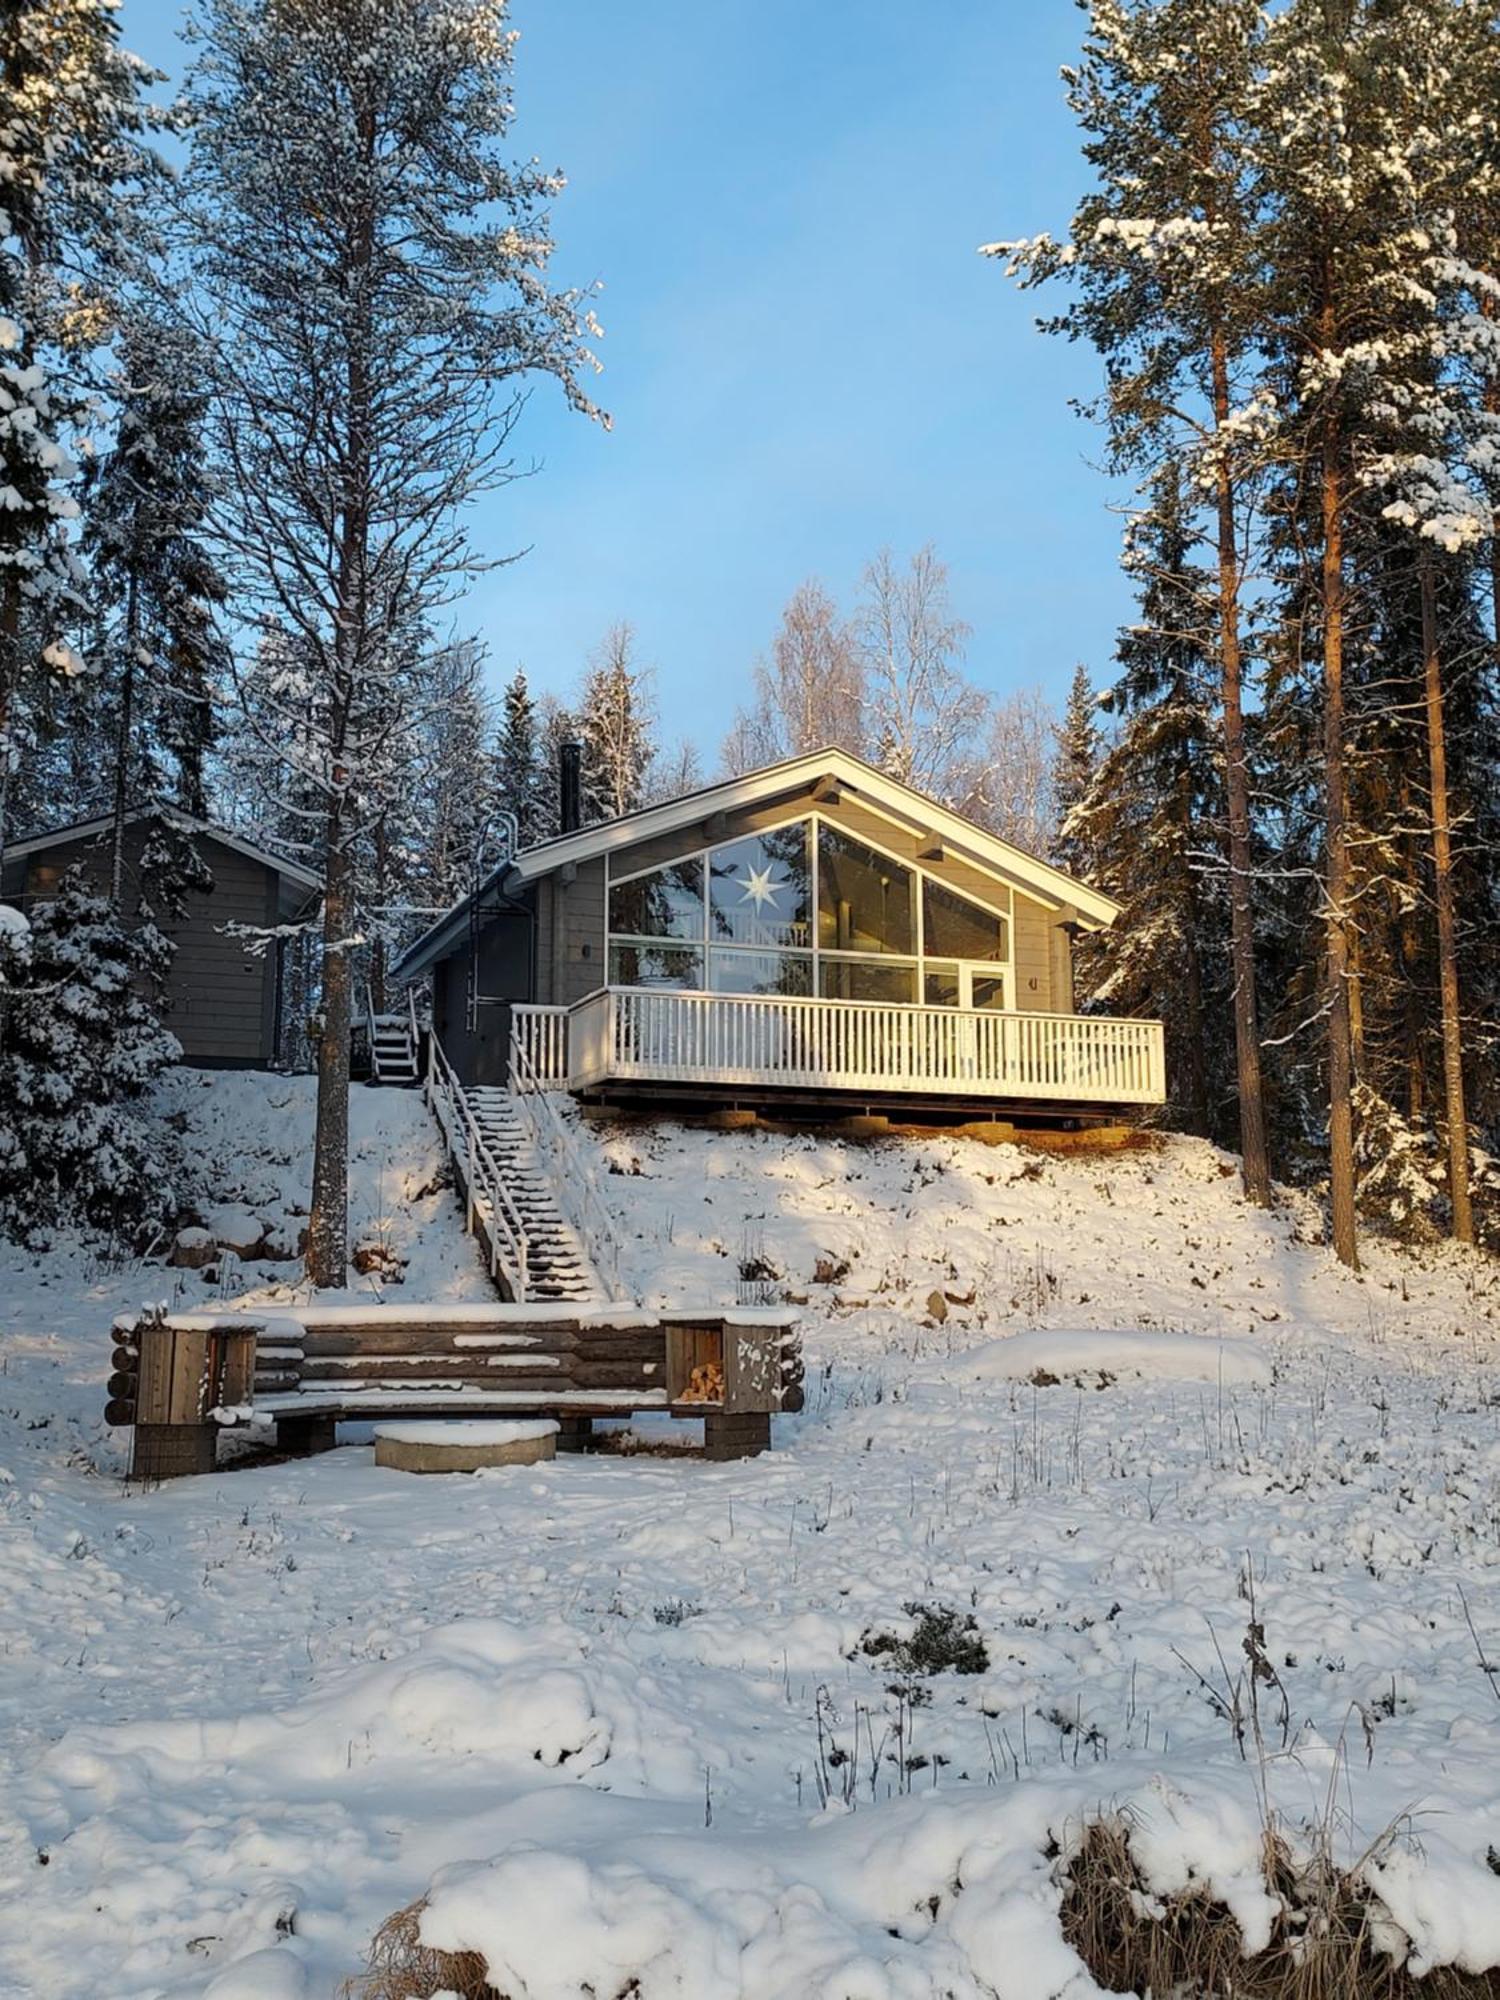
222	1000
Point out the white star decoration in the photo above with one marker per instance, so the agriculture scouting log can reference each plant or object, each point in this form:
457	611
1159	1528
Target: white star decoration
758	887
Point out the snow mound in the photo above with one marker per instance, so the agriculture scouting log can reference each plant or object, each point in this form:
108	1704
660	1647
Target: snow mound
471	1430
1167	1357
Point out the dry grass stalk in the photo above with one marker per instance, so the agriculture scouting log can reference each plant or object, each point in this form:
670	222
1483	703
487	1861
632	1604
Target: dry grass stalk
1321	1946
401	1967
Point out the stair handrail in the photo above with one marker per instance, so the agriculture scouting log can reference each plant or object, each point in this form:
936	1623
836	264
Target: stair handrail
370	1031
571	1172
509	1247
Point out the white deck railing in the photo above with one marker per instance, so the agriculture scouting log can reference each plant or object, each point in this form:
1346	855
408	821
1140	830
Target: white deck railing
539	1043
670	1037
570	1169
483	1180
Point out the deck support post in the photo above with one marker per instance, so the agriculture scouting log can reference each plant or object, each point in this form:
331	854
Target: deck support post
740	1434
301	1437
575	1433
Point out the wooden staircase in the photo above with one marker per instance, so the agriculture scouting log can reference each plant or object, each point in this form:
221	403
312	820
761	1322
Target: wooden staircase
558	1265
393	1044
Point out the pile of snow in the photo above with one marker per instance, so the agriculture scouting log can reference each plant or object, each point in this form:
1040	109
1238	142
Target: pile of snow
471	1430
1097	1357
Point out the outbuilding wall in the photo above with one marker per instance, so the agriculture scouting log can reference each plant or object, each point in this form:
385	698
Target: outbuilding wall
220	999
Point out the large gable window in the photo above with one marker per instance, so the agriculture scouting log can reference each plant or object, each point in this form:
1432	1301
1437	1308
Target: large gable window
954	927
865	900
667	903
760	889
806	909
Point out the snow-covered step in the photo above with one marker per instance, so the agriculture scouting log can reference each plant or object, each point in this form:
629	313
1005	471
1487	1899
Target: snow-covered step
557	1258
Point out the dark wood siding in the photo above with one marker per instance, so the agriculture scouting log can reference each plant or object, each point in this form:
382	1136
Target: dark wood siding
220	1000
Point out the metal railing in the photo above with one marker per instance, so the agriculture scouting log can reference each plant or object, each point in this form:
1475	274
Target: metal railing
482	1176
569	1169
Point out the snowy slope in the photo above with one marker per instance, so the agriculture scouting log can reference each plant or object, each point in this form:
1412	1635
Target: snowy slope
620	1707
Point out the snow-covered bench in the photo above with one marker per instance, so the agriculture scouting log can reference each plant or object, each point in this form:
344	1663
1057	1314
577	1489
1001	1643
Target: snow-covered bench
315	1366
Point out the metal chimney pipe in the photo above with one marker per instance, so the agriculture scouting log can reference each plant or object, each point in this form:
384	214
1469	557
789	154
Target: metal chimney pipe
569	787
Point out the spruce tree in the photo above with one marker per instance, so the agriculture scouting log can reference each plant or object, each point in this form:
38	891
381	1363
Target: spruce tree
73	152
614	722
154	587
1074	769
1149	821
521	783
80	1045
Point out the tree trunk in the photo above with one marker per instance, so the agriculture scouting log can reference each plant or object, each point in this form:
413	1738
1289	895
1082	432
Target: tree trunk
1192	968
10	679
382	896
1414	1023
1256	1166
122	757
328	1224
1336	885
1447	924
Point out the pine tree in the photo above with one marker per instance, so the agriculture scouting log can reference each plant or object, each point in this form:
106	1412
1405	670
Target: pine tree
521	783
1168	261
79	1047
1356	189
328	143
614	723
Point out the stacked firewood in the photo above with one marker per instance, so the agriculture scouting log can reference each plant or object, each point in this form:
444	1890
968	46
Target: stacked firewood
705	1384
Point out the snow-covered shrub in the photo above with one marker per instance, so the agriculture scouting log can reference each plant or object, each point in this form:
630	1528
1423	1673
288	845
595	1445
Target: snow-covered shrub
78	1045
1403	1176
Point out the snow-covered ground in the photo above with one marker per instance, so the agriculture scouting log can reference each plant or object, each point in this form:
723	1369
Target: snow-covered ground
621	1710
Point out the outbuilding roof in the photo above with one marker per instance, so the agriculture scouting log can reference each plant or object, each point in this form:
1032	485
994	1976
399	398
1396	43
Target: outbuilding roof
87	829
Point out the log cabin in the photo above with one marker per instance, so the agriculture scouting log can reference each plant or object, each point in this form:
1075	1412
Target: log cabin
811	937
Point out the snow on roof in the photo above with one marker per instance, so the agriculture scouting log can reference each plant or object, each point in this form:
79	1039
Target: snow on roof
86	829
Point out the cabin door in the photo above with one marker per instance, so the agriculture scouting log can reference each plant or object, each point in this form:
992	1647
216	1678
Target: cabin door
981	988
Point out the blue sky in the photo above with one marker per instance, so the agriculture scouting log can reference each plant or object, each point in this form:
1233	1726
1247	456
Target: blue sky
804	357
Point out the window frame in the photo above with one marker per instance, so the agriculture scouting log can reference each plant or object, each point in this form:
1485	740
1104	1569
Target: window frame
1000	904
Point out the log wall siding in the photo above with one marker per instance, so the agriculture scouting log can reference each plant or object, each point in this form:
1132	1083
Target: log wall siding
571	916
220	1000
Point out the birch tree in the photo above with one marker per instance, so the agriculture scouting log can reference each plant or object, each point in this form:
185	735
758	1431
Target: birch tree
372	277
922	717
810	693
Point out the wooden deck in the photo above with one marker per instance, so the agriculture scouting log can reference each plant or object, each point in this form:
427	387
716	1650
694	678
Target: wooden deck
840	1049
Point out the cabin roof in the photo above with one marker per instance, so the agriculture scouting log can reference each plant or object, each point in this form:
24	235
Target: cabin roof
838	768
87	829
